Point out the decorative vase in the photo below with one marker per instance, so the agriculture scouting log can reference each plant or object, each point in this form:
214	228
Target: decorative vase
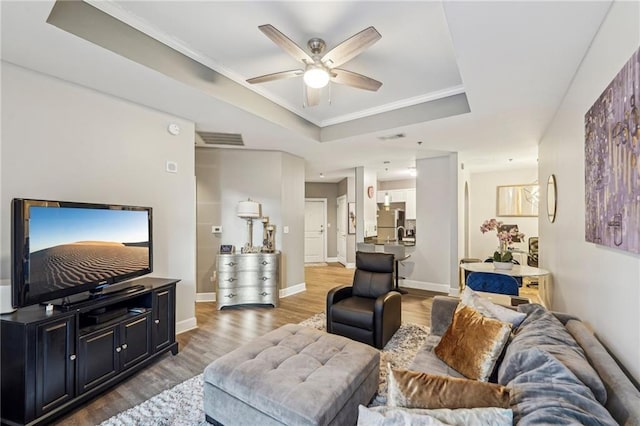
503	265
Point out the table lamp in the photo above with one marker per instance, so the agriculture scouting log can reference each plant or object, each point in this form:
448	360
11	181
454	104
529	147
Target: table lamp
249	210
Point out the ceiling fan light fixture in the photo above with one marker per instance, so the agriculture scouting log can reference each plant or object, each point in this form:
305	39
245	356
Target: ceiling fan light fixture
316	77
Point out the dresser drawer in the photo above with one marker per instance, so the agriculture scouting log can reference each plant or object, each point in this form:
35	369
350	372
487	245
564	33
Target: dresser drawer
228	279
248	262
247	295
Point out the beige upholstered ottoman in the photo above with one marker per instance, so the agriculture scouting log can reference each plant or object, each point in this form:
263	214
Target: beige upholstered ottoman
291	376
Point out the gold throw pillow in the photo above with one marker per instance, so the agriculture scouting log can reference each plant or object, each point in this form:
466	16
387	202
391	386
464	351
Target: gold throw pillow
412	389
472	343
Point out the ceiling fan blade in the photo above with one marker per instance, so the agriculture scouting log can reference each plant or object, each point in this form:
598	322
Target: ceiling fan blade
285	43
312	96
353	79
275	76
351	47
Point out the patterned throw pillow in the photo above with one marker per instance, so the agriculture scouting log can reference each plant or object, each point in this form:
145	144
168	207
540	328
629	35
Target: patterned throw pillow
472	343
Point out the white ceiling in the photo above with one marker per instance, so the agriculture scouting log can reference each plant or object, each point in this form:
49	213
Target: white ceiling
513	60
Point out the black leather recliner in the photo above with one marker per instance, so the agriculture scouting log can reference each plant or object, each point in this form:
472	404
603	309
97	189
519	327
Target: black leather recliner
369	311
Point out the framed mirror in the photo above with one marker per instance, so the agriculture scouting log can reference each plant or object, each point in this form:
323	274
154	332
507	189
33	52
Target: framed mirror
517	200
551	198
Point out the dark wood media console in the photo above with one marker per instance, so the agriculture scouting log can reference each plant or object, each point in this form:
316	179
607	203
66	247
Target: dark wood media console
53	362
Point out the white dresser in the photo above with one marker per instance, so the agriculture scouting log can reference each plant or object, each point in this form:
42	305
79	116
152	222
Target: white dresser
250	278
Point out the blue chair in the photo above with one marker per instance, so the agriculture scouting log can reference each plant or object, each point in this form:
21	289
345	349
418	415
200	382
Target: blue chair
493	283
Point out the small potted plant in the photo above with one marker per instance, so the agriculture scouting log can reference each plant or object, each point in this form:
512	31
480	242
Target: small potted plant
502	257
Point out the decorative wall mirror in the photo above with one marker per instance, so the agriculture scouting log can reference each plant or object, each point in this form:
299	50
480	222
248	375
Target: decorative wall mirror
552	201
517	200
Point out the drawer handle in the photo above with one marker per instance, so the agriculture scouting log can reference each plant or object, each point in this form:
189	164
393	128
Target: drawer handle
264	262
264	293
264	278
124	346
118	349
230	264
230	295
230	279
157	321
72	357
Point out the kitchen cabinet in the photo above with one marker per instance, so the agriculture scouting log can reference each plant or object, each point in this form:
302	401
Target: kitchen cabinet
395	195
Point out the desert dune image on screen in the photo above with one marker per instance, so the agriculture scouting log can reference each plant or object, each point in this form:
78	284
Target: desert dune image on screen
71	246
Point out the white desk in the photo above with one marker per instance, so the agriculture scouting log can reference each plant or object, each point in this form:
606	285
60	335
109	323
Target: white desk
544	276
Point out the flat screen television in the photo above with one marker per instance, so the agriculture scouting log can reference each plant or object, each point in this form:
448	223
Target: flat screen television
62	248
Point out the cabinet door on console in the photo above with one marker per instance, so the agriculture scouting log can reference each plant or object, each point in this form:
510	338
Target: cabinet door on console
55	363
98	357
164	321
135	340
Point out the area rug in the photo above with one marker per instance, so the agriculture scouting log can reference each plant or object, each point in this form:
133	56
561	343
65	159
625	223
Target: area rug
182	404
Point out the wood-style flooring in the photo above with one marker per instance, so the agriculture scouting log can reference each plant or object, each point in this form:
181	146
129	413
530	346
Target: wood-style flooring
219	332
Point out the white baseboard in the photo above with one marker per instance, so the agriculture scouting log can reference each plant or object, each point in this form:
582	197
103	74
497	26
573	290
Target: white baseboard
205	297
332	259
294	289
350	265
454	292
422	285
186	325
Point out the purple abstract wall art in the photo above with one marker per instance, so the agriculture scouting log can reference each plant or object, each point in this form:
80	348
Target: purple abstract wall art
612	162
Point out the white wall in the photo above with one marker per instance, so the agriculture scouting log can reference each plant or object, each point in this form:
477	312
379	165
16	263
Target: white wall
482	200
366	208
433	263
371	206
599	284
292	205
64	142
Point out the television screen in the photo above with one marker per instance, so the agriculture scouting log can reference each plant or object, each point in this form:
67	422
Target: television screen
62	248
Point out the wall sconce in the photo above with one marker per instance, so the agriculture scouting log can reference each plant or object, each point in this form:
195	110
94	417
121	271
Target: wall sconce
387	201
249	210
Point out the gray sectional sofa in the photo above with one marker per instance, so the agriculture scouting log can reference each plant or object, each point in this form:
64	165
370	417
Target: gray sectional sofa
556	369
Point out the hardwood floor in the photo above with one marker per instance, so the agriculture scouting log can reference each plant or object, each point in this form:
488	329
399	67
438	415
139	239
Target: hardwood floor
220	332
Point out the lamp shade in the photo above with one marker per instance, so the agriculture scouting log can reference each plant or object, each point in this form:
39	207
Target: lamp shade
249	209
316	77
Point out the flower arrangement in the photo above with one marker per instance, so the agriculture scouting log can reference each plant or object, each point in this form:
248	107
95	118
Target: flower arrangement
505	238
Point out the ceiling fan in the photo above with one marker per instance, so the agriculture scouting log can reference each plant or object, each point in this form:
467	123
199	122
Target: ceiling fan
319	69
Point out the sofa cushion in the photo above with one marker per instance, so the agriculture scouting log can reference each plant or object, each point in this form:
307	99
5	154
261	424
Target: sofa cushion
623	399
394	416
427	361
412	389
545	391
542	329
489	309
473	343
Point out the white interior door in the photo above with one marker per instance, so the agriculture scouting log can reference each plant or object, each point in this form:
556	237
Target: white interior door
341	229
315	237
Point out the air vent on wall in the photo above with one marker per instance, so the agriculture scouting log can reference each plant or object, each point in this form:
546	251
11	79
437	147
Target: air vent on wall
217	138
392	137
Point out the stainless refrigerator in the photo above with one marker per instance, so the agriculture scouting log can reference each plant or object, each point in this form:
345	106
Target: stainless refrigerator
388	223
